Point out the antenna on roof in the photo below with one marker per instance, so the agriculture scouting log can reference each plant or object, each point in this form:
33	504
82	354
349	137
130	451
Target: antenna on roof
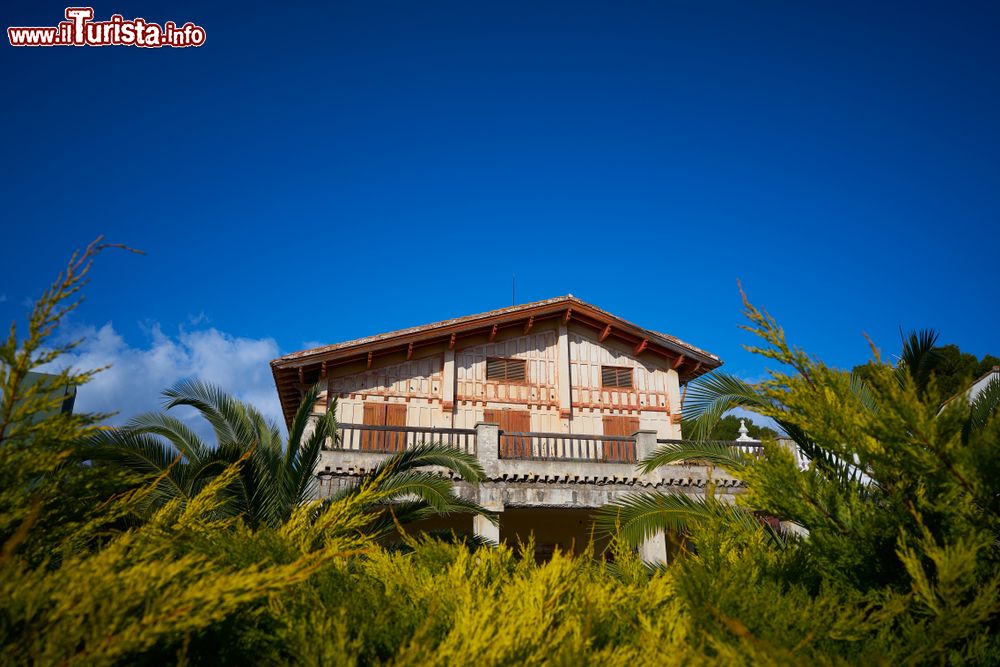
513	302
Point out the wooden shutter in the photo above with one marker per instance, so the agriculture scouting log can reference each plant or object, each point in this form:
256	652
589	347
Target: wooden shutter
506	370
620	425
374	416
395	415
512	421
619	451
616	376
384	414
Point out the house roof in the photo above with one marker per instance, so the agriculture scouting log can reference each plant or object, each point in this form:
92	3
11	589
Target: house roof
293	372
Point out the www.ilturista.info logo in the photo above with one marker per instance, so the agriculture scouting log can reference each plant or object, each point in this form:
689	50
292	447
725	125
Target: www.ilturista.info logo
79	29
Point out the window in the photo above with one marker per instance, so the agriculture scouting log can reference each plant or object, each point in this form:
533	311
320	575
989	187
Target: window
506	370
616	376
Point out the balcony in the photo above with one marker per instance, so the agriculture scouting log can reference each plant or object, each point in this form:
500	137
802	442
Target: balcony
514	446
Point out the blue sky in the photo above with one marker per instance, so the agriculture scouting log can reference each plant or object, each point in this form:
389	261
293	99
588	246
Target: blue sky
322	172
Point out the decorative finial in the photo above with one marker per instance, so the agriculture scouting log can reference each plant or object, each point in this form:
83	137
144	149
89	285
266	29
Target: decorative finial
744	433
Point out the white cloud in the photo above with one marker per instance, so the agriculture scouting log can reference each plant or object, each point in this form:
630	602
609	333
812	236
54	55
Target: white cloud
137	375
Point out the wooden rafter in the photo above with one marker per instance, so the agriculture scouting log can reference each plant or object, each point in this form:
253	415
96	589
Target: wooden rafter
569	314
493	333
324	370
643	344
678	361
605	333
370	357
530	323
409	352
302	375
451	343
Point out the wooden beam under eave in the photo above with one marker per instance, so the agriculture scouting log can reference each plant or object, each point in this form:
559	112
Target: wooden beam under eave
569	314
371	355
643	344
493	333
678	361
302	375
323	370
605	334
451	343
409	352
530	323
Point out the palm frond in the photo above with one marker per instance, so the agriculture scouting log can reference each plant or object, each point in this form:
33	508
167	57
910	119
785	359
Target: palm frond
462	463
386	517
140	452
639	516
301	419
215	405
709	398
180	435
863	392
918	357
427	486
144	454
985	404
719	453
298	474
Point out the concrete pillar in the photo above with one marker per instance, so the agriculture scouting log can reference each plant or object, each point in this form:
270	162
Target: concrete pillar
654	550
486	530
488	447
645	443
563	373
488	453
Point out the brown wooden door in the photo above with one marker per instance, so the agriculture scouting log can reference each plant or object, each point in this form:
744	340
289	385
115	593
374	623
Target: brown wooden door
620	451
512	421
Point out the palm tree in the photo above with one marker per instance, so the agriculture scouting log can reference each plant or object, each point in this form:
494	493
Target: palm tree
275	476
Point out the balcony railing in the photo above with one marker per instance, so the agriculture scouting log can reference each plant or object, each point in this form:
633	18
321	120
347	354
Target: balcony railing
511	445
567	447
393	439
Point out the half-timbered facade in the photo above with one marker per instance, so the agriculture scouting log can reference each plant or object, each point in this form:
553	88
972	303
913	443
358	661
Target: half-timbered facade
557	398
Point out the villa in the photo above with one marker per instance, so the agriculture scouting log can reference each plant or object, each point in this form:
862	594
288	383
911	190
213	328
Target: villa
557	399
